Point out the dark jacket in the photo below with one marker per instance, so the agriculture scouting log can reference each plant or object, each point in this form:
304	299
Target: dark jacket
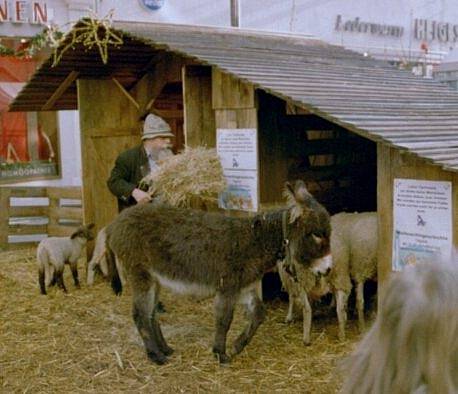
130	167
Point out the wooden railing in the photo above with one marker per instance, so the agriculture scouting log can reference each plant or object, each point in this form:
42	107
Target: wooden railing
29	214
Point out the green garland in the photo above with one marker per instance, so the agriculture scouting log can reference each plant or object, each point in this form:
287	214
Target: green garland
34	45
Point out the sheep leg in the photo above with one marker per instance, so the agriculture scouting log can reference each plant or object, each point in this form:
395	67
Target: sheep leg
73	267
290	315
307	317
50	275
360	305
41	279
143	308
224	312
256	314
59	277
342	300
90	271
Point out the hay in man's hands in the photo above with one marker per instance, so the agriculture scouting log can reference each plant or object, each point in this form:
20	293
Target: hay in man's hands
193	177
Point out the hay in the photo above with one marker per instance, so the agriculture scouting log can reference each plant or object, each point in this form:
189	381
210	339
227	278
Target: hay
86	342
193	177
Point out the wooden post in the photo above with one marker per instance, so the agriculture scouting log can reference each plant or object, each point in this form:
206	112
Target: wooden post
385	215
4	218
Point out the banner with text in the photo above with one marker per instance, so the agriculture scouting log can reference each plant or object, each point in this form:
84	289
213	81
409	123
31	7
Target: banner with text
238	153
422	228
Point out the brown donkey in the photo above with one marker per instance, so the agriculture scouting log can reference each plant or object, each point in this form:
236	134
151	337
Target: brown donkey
209	254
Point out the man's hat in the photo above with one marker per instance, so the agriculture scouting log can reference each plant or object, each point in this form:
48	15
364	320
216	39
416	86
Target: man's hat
155	126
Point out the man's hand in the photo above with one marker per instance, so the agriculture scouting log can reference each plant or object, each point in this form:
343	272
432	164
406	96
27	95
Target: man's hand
140	196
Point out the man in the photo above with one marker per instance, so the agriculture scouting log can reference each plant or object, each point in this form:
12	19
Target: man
135	163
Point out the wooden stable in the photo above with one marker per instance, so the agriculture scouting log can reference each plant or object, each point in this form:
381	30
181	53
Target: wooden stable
314	117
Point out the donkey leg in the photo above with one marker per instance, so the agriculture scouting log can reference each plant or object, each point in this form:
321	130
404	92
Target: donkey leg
143	287
166	349
224	312
74	269
256	314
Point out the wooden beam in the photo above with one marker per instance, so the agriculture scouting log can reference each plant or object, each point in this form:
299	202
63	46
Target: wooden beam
126	93
60	90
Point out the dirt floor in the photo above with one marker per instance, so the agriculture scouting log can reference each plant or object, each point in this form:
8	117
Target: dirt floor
85	342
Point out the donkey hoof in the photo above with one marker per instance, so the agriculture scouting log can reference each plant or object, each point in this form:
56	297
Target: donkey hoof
307	342
159	359
168	351
223	358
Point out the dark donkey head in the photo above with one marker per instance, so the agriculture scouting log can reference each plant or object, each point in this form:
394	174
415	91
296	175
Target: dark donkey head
307	231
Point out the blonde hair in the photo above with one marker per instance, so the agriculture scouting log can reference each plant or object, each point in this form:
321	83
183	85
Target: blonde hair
413	345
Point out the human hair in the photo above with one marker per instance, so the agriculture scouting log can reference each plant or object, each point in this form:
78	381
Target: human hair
412	346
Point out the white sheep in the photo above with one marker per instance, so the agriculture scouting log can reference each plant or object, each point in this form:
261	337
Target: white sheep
54	252
354	240
302	286
98	257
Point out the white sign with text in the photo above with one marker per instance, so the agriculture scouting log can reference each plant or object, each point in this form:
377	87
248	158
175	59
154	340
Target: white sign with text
422	225
238	153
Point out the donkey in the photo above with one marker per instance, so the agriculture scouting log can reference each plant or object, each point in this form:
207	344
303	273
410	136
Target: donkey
209	254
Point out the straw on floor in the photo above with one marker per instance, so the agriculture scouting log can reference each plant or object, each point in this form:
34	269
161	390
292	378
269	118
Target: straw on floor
86	342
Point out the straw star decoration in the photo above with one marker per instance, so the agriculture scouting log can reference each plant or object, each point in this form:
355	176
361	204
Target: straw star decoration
90	32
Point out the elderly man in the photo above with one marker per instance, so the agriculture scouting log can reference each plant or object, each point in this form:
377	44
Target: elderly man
135	163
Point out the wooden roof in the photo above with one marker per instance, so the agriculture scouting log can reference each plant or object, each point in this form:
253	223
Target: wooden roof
367	96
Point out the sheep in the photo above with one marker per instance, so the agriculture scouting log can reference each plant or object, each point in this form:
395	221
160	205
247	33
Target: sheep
354	241
302	287
98	257
208	253
412	347
54	252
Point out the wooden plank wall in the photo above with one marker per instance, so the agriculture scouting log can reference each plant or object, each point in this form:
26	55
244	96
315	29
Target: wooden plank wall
233	102
199	117
109	124
61	219
392	164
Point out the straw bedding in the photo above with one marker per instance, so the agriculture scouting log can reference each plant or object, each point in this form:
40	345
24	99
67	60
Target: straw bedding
86	342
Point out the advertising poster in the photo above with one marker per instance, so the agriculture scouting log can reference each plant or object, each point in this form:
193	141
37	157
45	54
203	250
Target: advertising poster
422	228
238	153
29	145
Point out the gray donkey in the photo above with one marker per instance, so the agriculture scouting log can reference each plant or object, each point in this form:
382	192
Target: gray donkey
209	254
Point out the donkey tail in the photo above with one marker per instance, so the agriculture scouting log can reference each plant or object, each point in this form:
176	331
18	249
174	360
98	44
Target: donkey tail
113	272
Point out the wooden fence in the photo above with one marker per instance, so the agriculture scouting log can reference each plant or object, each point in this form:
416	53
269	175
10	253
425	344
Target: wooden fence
32	213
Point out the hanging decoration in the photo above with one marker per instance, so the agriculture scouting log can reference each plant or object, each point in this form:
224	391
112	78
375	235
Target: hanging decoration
90	32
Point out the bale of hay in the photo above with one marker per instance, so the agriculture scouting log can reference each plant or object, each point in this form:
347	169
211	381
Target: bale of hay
189	179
